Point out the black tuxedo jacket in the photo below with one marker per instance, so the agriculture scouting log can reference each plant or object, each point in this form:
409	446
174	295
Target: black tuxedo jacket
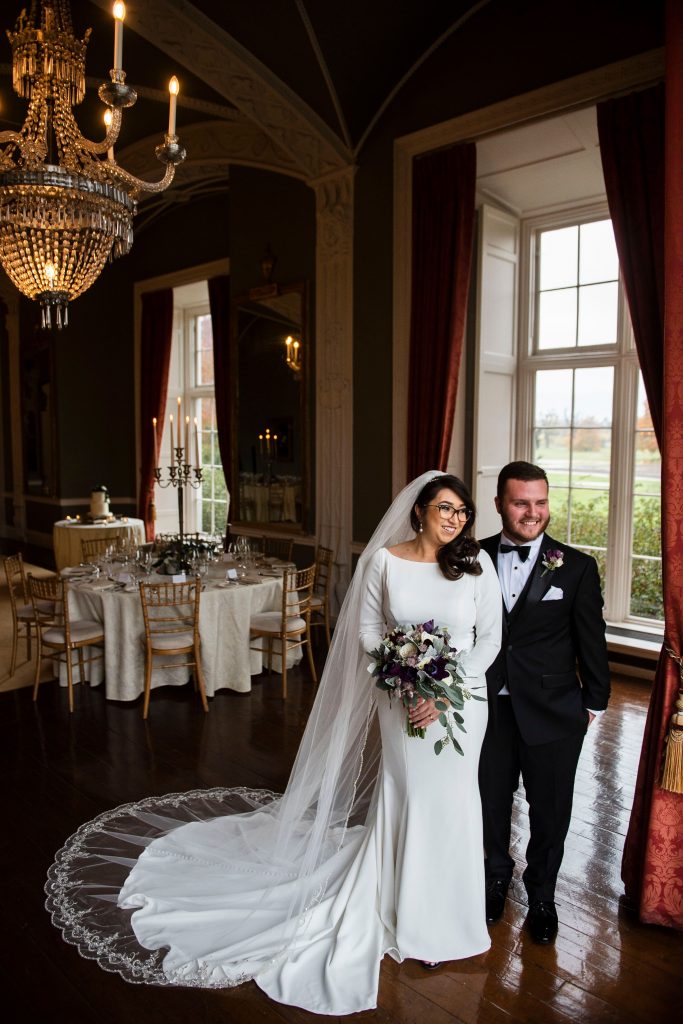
553	656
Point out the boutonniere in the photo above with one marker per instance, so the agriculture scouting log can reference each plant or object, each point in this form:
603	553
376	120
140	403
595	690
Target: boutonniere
553	560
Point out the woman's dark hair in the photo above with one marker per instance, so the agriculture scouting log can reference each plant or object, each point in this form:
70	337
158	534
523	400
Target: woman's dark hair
460	555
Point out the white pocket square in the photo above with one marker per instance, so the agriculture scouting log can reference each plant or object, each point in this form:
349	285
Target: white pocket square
553	594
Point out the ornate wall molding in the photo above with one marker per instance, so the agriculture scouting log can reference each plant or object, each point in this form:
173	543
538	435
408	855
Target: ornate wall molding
334	369
212	146
184	33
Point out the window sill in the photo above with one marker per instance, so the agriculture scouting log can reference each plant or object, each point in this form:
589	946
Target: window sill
634	649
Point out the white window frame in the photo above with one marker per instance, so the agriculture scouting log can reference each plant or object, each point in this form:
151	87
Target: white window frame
624	359
192	393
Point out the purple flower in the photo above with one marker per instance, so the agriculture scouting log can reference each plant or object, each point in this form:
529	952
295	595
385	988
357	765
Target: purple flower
554	559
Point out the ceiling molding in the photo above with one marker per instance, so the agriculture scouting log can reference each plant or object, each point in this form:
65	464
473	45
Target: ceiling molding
191	39
212	145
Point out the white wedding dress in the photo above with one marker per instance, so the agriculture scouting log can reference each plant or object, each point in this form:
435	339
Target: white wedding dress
410	881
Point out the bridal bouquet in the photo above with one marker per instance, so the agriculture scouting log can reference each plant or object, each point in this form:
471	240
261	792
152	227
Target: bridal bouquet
419	661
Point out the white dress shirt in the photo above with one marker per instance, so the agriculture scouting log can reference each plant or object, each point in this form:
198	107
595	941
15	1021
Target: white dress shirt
513	573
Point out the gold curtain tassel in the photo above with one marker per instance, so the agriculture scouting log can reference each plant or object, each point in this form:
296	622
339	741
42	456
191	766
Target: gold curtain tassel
672	772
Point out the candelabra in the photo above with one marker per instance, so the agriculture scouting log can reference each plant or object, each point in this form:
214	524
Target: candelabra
180	477
267	450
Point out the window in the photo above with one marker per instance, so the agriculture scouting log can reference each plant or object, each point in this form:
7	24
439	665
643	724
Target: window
589	424
191	378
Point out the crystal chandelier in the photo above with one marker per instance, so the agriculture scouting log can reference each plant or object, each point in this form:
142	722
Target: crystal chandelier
65	204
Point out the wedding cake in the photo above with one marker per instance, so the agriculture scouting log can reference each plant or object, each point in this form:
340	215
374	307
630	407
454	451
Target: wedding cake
99	503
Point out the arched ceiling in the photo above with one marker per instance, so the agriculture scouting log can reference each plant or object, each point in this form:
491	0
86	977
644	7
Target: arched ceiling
305	79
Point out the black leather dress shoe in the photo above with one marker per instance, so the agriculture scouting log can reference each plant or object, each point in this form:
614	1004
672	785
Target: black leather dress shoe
431	965
542	921
496	892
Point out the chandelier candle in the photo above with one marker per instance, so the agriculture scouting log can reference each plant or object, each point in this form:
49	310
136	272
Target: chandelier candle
173	90
119	15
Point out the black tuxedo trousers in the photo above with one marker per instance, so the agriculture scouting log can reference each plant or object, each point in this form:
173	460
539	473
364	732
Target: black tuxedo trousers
553	662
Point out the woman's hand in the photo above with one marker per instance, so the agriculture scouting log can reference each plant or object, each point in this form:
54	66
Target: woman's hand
424	713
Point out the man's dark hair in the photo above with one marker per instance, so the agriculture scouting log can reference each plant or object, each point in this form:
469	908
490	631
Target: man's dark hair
519	471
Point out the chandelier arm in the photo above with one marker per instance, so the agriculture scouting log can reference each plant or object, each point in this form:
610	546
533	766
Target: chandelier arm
108	140
122	177
69	135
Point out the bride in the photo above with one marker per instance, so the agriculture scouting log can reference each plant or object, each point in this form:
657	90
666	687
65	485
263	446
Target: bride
307	891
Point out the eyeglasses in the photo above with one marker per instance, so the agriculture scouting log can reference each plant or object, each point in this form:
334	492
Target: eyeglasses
447	511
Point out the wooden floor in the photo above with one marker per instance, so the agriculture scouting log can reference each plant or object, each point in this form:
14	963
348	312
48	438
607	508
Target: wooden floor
58	770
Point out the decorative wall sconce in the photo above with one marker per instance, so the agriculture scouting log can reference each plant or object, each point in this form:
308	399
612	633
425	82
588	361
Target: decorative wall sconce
293	353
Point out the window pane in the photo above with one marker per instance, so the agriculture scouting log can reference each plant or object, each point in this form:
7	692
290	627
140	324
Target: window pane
646	588
593	397
648	461
203	350
598	304
558	258
559	512
591	452
589	517
557	319
598	259
551	450
577	460
646	564
553	398
647	526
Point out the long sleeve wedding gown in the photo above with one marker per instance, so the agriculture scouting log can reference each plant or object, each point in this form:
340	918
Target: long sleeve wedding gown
410	882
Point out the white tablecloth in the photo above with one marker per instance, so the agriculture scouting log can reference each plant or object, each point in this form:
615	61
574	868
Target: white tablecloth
66	537
224	615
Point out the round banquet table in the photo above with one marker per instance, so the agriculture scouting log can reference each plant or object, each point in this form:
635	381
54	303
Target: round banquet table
224	614
67	536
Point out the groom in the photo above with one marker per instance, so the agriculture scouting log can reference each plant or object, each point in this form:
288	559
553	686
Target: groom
545	687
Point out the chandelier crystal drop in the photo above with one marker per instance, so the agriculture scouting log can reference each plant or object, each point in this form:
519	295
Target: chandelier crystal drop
66	206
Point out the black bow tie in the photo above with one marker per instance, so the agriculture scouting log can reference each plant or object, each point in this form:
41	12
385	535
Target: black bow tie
522	551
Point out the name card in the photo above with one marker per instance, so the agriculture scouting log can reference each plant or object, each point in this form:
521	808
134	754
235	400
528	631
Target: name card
179	577
231	574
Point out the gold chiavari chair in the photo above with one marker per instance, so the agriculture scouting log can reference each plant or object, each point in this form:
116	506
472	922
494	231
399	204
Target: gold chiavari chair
278	547
171	616
23	616
59	635
320	602
291	625
93	548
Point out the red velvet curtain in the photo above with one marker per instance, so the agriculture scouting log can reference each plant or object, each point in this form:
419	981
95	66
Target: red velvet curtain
219	300
443	225
652	868
631	131
155	356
